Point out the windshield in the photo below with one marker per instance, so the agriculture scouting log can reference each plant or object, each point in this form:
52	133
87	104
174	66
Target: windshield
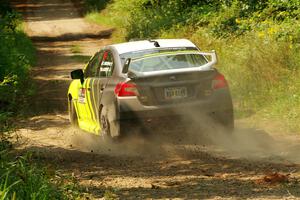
167	62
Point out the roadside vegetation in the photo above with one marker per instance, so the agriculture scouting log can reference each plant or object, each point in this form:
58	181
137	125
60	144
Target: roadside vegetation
17	56
20	176
258	43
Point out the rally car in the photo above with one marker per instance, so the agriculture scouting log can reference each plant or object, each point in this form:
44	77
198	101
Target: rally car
132	84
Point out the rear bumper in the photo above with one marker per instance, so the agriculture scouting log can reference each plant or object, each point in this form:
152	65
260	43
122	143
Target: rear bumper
131	108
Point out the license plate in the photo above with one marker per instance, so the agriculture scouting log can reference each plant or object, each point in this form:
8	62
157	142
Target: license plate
175	93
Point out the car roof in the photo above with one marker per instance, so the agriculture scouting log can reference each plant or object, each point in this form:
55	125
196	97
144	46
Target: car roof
149	44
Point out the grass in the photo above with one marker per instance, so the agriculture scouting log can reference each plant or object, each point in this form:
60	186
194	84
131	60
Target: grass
257	43
262	73
21	177
76	49
111	16
81	58
100	19
23	180
110	194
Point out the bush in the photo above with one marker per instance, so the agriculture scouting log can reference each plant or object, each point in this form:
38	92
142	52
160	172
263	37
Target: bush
22	179
17	56
147	18
258	43
95	5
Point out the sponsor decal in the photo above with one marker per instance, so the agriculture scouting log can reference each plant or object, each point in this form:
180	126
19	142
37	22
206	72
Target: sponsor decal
107	64
81	98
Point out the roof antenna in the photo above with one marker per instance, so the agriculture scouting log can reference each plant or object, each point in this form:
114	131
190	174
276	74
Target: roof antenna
156	44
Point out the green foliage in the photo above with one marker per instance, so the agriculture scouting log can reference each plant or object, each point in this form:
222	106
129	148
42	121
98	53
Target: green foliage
226	18
17	56
110	194
258	43
95	5
22	179
263	73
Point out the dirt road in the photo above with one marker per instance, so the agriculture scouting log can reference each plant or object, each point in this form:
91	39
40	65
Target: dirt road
250	163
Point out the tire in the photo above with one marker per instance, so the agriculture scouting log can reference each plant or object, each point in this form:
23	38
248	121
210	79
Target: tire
72	114
105	129
226	120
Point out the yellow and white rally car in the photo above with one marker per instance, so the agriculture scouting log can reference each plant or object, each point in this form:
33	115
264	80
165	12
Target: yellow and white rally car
134	84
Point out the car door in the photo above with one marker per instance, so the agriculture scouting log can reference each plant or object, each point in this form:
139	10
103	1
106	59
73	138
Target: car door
86	115
93	91
105	71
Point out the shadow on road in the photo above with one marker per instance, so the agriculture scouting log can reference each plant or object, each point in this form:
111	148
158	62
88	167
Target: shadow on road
73	37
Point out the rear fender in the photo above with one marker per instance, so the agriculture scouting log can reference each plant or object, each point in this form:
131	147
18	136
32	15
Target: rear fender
111	111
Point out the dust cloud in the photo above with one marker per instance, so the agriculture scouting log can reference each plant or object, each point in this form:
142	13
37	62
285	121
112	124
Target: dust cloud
248	143
130	146
245	142
258	144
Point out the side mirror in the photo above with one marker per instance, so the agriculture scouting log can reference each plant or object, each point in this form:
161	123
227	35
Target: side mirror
126	65
78	74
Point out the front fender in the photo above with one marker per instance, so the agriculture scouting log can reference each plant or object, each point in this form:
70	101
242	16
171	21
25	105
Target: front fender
74	89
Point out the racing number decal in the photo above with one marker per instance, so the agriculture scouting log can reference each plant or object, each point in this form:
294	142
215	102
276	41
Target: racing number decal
81	96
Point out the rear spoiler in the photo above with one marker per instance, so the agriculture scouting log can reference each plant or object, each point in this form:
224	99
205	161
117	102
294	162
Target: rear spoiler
213	57
210	56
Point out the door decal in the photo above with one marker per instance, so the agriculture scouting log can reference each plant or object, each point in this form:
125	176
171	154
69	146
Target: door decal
81	96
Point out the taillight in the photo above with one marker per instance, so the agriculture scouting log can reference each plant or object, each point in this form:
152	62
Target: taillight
219	82
126	89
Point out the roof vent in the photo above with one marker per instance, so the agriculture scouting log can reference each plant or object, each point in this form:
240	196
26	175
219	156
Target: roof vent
155	43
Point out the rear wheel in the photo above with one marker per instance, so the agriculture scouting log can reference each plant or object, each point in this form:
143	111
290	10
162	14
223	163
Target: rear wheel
226	120
72	114
105	128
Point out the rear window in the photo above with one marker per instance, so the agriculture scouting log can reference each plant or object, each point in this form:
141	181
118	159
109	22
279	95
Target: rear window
167	62
141	53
